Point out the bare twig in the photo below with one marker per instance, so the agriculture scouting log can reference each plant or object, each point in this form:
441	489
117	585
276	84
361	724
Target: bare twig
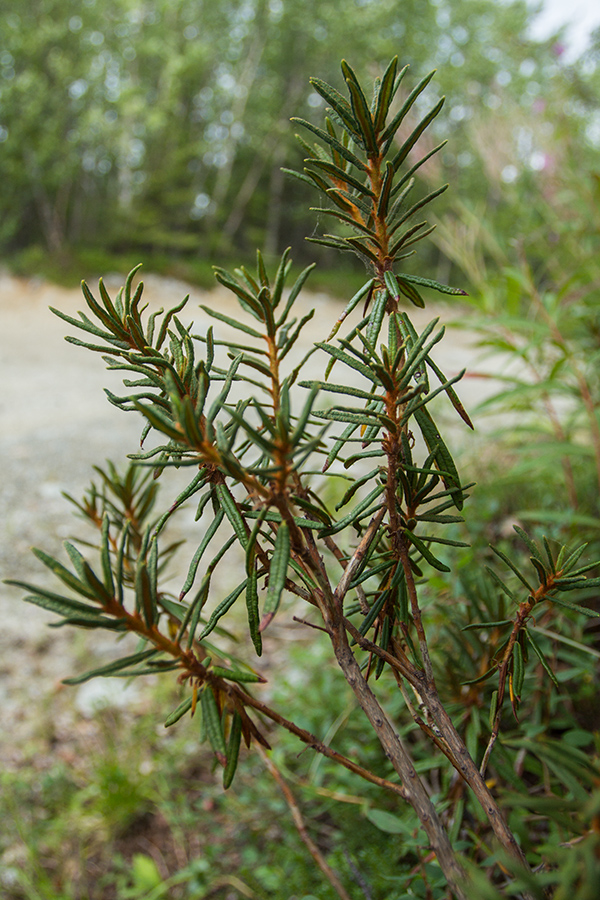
394	750
358	555
301	827
312	741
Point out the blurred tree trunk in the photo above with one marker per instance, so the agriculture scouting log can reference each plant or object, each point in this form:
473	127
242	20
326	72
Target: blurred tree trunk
275	209
51	211
249	185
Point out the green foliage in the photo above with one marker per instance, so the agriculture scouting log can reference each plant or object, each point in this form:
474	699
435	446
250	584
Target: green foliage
543	340
163	128
251	430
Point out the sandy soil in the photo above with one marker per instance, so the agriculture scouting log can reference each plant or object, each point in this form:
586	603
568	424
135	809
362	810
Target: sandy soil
55	423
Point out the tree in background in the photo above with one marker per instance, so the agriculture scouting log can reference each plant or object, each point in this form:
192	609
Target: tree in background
163	126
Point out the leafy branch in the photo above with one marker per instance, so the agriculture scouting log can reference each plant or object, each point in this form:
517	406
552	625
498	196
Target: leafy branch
257	494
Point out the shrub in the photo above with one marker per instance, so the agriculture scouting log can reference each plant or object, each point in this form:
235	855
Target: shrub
359	568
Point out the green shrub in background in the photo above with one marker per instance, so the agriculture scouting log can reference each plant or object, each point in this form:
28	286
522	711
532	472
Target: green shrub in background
455	670
540	321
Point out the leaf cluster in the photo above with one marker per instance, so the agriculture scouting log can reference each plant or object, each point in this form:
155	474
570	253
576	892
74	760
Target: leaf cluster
371	192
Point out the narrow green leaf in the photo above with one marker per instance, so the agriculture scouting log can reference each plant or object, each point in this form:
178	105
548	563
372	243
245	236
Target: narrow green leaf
234	323
251	546
64	606
512	566
377	315
261	270
376	608
518	670
159	421
280	276
252	610
315	512
223	607
248	302
531	545
145	599
411	292
277	574
560	601
580	571
240	676
416	134
338	103
355	514
389	86
413	209
339	175
539	567
493	709
339	415
426	552
423	400
338	446
386	189
410	237
572	560
361	110
211	720
337	389
273	516
333	142
388	135
545	664
501	585
364	291
233	750
64	574
444	460
179	712
193	567
347	220
384	644
105	556
294	292
350	202
479	626
299	176
452	395
548	553
115	666
229	379
335	243
434	285
232	512
90	622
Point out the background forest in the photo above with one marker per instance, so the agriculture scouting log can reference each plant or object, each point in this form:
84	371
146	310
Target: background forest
157	131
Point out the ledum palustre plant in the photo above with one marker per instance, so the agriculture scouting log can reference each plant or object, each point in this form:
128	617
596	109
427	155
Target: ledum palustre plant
259	438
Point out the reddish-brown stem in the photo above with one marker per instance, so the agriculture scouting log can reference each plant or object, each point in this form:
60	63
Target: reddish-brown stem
312	741
521	619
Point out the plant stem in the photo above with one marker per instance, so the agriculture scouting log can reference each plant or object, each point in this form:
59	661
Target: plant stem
414	790
312	741
301	827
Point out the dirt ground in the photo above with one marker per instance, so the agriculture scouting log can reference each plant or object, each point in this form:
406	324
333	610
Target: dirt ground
55	423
